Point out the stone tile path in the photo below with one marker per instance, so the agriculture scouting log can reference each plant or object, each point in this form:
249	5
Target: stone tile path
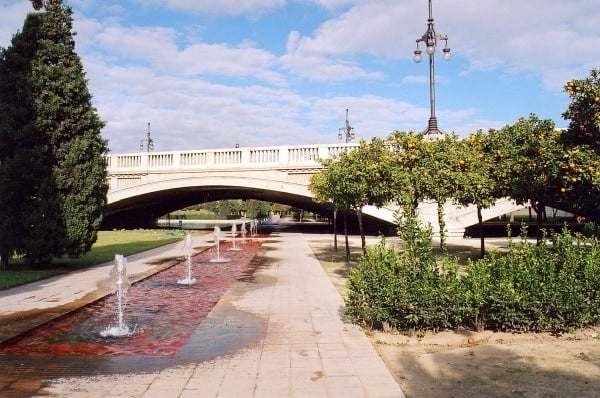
305	349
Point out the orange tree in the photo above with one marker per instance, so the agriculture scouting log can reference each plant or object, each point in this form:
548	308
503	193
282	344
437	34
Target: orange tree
477	180
442	164
325	189
428	169
580	184
580	192
357	178
528	157
409	156
366	179
583	112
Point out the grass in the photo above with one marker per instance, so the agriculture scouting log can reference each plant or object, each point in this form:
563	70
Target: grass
109	243
12	278
191	215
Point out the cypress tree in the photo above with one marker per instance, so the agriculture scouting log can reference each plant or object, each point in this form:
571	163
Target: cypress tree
27	202
52	169
64	112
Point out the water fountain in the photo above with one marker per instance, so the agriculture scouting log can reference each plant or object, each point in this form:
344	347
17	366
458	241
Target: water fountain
234	238
244	232
119	280
187	252
252	228
169	316
217	238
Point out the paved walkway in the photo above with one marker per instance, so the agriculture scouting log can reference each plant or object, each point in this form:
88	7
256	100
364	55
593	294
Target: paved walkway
305	350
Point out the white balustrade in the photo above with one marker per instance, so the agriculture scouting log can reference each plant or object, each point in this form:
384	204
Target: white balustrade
228	157
128	161
283	157
194	159
264	156
160	160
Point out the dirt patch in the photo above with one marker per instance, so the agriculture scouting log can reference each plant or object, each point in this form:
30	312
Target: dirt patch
486	364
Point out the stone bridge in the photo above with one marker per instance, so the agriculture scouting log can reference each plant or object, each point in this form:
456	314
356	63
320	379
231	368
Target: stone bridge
146	185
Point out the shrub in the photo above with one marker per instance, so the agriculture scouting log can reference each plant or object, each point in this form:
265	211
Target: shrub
408	290
548	287
536	288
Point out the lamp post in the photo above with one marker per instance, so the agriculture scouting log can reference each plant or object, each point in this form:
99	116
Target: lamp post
431	38
346	131
148	142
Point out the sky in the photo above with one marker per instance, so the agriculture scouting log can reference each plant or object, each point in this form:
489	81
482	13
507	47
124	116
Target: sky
212	74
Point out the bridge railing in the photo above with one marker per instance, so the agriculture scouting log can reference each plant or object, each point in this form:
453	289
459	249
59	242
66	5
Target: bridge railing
300	156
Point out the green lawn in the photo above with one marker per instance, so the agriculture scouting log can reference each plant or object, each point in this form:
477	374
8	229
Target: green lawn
109	243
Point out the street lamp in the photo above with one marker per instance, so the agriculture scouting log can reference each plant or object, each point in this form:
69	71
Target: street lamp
431	38
346	131
148	142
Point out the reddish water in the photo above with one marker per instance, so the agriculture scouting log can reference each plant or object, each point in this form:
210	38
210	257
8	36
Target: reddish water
163	313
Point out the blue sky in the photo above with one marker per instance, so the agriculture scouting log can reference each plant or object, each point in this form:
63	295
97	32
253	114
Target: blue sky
212	74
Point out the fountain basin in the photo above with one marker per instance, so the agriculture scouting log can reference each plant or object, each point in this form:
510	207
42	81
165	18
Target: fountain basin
161	313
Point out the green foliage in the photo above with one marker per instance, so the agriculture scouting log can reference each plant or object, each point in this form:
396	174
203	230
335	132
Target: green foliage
548	287
409	290
537	288
408	172
231	209
27	203
529	158
583	112
358	177
581	163
49	128
426	169
65	113
479	180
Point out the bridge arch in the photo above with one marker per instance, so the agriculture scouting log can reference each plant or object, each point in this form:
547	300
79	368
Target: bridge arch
142	204
144	186
147	185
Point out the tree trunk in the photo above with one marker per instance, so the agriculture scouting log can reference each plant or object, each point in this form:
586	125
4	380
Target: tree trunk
442	226
481	237
540	220
361	229
3	261
335	246
346	235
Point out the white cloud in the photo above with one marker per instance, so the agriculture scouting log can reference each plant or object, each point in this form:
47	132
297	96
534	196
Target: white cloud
367	28
222	59
547	38
552	39
138	42
325	69
12	16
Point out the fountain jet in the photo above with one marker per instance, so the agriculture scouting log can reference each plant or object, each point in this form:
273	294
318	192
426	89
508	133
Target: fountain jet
187	252
119	280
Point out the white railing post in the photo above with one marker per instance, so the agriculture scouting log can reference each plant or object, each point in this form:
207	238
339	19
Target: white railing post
324	152
284	158
245	156
144	160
